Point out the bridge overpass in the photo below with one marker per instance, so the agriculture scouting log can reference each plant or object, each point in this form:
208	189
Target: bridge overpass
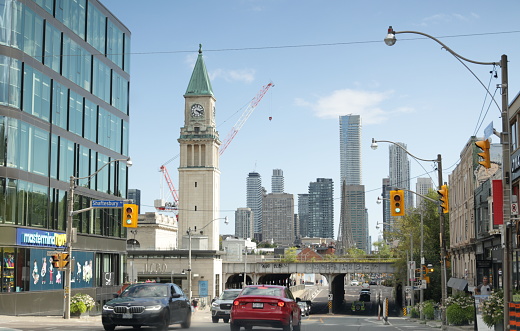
263	271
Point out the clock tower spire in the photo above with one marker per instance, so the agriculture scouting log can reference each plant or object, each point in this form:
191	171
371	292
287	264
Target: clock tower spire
199	174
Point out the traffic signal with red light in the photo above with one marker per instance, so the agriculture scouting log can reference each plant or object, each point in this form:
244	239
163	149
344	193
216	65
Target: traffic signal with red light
130	215
484	146
397	203
443	192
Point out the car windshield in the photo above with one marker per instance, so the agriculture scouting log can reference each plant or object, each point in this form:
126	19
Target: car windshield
262	290
145	291
229	295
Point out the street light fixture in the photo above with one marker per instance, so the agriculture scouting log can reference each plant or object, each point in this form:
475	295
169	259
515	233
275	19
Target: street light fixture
70	213
444	289
390	40
190	232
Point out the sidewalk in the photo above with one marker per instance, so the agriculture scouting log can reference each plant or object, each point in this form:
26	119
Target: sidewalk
438	325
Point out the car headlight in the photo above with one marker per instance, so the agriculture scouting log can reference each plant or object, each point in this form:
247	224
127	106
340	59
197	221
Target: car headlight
155	307
215	304
106	307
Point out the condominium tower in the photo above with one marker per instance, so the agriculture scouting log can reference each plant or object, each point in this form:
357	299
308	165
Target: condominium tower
321	209
254	194
399	168
277	182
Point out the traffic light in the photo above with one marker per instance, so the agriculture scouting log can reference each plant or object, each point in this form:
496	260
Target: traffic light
56	261
484	146
429	268
443	192
130	215
397	203
424	270
64	260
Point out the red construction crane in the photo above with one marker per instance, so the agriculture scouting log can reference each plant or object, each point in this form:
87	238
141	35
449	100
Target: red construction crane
161	204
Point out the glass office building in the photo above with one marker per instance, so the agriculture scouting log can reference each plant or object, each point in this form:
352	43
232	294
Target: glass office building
64	86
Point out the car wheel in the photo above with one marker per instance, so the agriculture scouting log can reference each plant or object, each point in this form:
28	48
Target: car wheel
299	326
234	327
214	319
187	322
249	328
288	327
165	321
226	320
109	327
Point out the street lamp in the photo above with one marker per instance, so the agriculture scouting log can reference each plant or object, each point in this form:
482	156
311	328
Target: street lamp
189	232
70	213
506	164
444	289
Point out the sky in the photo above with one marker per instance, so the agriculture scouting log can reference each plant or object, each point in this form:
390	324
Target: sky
326	59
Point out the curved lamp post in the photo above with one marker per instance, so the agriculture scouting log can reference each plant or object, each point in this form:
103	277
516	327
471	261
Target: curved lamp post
189	232
441	224
71	212
390	40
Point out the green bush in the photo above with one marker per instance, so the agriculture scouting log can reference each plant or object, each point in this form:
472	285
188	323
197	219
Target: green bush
429	310
414	312
457	315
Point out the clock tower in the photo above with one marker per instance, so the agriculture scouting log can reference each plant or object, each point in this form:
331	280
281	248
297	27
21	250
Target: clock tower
199	174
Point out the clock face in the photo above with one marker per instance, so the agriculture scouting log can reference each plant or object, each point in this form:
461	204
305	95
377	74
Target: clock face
197	110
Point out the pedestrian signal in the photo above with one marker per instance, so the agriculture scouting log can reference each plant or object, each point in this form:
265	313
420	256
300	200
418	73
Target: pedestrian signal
130	215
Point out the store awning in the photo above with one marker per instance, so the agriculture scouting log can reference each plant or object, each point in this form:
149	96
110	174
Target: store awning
458	283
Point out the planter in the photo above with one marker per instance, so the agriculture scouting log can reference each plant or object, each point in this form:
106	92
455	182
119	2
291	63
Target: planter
80	315
499	327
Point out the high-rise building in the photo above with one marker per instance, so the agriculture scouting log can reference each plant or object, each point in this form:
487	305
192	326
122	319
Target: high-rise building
423	186
321	208
135	196
399	166
277	185
387	219
64	113
303	214
278	218
350	149
254	194
244	223
353	225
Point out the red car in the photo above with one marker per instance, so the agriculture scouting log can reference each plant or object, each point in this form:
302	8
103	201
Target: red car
267	306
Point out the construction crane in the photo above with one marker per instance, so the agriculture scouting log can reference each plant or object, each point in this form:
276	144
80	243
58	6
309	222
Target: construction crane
163	205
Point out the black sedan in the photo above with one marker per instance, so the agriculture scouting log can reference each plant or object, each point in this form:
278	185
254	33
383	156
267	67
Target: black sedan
148	304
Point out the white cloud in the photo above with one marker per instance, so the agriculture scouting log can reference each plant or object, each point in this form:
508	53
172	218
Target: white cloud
244	75
368	104
445	18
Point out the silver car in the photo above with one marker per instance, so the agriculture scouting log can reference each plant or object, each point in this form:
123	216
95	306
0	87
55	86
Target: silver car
221	306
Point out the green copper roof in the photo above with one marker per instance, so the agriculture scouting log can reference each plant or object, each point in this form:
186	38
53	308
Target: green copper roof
199	82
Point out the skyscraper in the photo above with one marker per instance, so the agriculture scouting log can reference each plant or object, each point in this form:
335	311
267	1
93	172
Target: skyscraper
353	221
321	208
399	166
277	185
65	113
254	194
350	149
278	218
303	214
423	186
244	223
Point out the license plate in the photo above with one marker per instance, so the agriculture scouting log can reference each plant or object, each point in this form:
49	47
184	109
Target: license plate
127	315
226	311
258	305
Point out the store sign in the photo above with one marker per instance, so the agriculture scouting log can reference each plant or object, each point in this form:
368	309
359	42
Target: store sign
30	237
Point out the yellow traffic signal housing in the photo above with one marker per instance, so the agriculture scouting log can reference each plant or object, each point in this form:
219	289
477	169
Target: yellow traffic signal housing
484	146
443	192
130	215
397	203
56	261
64	260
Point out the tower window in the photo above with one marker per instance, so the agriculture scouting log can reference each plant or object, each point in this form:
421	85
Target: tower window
197	129
195	208
195	184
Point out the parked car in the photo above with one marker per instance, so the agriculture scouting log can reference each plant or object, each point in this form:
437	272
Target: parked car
221	306
354	283
266	306
147	304
305	308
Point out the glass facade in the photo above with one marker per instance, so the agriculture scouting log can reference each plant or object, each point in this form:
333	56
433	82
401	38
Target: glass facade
63	112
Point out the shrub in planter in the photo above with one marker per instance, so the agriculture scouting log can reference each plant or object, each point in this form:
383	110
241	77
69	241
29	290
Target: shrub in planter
457	315
429	310
81	303
492	309
414	312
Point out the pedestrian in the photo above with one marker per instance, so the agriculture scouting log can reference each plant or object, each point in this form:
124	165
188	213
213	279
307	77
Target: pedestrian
484	288
195	305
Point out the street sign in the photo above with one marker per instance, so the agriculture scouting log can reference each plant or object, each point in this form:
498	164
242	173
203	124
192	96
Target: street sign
488	131
330	296
514	208
106	204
